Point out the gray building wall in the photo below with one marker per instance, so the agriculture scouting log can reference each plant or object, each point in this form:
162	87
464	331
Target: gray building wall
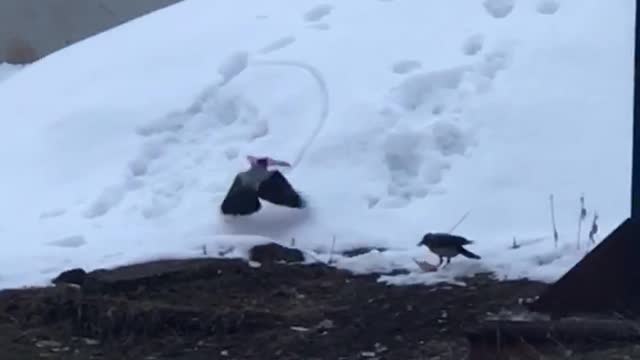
32	29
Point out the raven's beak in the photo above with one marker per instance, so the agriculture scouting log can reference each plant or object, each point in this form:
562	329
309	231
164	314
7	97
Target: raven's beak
273	162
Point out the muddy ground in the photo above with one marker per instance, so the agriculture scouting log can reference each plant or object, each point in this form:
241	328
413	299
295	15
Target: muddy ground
226	309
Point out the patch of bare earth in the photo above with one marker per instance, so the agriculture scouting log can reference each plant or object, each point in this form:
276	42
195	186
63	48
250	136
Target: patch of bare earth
226	309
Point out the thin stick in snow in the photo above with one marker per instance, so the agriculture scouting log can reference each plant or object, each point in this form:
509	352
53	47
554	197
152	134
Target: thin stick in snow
519	243
583	215
553	221
460	221
594	228
333	245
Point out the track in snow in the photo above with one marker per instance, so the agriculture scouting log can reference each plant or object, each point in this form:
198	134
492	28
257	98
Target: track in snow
324	92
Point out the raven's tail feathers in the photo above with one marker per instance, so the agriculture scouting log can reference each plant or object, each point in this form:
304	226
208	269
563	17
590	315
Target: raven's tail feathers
466	253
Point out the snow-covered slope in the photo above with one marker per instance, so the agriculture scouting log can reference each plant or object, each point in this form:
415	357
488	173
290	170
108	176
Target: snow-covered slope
399	117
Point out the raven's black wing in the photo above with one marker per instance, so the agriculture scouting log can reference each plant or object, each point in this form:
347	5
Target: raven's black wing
450	239
240	200
277	190
443	239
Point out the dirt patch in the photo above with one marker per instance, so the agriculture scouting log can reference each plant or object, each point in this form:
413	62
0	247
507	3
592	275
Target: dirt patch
227	309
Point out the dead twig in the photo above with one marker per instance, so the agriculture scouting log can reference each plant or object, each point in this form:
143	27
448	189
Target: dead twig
583	215
594	228
459	221
553	221
333	244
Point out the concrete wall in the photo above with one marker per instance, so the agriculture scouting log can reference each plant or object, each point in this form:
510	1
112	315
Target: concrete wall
31	29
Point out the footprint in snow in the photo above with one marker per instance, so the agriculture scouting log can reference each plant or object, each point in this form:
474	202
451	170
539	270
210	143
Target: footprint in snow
499	8
473	44
108	199
233	65
151	150
278	44
417	157
547	7
228	69
449	139
74	241
172	122
321	26
231	153
318	12
405	66
164	199
427	88
259	129
52	213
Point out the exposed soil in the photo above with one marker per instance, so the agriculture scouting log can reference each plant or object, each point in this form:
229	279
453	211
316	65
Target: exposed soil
228	309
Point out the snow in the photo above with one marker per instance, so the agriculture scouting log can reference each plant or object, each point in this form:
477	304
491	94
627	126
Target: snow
398	116
7	70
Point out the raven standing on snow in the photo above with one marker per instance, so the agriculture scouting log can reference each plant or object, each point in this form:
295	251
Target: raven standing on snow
248	187
447	246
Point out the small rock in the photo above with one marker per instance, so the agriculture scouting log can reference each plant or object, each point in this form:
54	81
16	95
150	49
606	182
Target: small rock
272	253
224	353
368	354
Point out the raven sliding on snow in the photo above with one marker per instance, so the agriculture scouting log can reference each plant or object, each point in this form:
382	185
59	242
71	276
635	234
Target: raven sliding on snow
243	198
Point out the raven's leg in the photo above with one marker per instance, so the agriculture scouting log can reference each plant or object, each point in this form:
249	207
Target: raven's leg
240	200
277	190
